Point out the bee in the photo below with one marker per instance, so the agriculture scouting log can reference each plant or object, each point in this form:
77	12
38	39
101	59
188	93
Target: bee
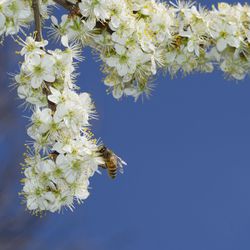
112	162
177	42
53	155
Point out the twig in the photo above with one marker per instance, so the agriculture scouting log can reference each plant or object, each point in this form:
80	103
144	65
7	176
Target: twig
39	38
74	9
65	4
47	92
37	17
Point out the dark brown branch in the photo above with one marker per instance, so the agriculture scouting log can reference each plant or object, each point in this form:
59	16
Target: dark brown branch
37	18
38	36
65	4
75	11
47	92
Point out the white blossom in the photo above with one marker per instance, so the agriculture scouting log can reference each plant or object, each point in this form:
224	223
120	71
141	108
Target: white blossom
16	14
63	155
186	32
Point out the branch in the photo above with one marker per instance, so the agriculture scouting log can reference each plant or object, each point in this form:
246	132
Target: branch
37	17
39	37
65	4
73	8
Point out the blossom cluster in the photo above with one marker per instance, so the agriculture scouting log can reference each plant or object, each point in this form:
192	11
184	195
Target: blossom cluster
63	154
135	38
15	14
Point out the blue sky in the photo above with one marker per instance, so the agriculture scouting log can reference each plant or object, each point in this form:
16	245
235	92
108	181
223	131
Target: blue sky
187	183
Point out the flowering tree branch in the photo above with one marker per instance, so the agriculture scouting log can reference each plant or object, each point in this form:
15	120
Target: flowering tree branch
60	118
134	39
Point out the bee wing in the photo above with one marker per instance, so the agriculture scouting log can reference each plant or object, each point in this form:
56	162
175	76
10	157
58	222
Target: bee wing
120	164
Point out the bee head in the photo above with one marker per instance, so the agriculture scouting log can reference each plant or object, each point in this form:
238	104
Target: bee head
102	149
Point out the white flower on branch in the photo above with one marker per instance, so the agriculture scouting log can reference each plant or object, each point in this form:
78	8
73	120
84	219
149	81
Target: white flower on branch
40	69
183	30
16	14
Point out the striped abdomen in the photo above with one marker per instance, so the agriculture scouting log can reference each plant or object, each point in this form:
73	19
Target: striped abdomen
111	164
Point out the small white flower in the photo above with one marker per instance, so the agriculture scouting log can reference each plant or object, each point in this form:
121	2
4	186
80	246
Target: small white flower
42	120
225	34
41	69
97	8
30	46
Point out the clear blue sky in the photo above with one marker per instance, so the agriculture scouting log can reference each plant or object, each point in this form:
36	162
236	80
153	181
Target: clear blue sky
187	183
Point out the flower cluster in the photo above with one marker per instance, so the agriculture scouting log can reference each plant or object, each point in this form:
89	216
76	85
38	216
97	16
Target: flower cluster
63	155
15	14
136	38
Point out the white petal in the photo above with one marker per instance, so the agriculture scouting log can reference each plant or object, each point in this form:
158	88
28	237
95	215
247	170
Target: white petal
49	77
65	41
54	20
47	61
2	20
36	82
82	193
221	44
120	49
122	69
31	203
35	59
117	93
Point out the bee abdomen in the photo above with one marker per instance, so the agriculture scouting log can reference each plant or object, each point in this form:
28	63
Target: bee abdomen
112	170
